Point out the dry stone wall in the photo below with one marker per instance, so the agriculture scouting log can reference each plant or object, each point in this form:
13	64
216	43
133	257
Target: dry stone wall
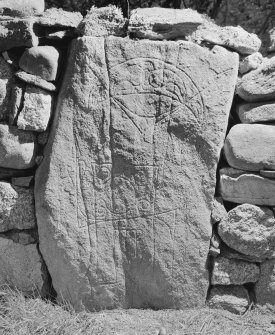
111	132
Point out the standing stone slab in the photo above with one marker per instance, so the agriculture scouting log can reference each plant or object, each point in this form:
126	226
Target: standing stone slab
124	193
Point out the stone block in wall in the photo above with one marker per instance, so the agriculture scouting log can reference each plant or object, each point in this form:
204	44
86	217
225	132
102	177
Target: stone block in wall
235	38
247	187
259	84
234	299
250	62
6	83
17	33
36	111
35	80
59	18
227	252
250	230
16	102
250	147
256	112
41	61
265	287
233	272
103	21
163	23
22	268
129	172
18	148
21	7
16	207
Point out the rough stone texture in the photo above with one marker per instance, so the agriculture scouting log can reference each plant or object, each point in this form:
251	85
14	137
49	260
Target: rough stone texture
36	81
17	33
234	299
250	62
250	230
250	147
36	111
41	61
59	18
21	267
16	207
6	80
218	211
103	22
21	7
256	112
163	23
233	272
16	103
17	148
230	253
265	287
259	84
235	38
126	186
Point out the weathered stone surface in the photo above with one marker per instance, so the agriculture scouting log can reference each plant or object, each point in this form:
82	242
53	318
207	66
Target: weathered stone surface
247	188
6	81
41	61
16	103
126	186
17	33
16	207
21	7
235	38
250	62
218	211
36	111
256	112
17	148
234	299
250	230
35	80
265	287
233	272
57	17
250	147
215	244
230	253
103	22
21	267
163	23
22	181
259	84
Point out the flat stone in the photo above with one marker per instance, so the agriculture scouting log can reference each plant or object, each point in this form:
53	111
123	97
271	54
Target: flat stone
41	61
233	272
17	33
259	84
103	21
249	229
235	38
59	18
256	112
21	7
36	111
163	23
17	148
22	181
35	80
250	147
234	299
22	268
265	287
250	62
268	174
17	94
230	253
247	188
16	207
6	81
129	172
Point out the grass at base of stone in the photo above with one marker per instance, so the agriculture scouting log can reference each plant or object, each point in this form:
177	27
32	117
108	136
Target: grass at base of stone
29	316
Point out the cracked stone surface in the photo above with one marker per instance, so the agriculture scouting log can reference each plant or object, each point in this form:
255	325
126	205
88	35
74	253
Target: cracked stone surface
126	186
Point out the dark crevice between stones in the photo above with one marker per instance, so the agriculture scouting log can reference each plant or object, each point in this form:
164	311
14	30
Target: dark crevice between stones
13	234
